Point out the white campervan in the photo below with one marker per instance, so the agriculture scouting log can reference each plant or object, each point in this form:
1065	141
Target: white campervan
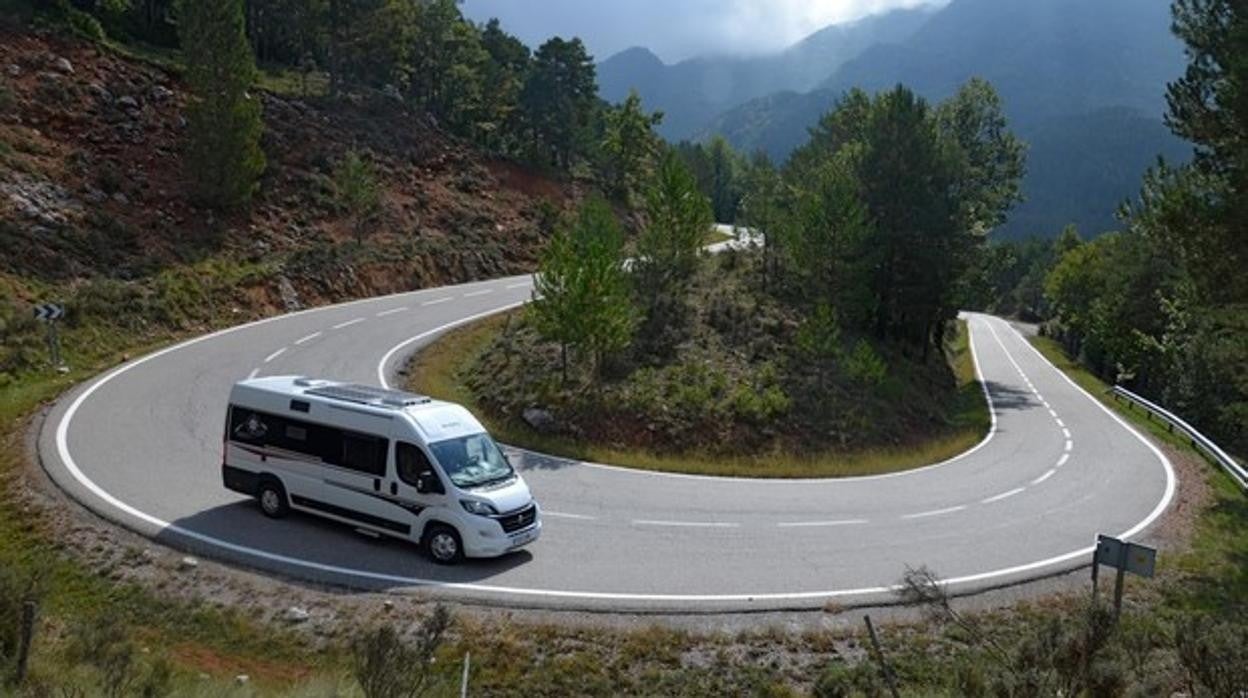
383	461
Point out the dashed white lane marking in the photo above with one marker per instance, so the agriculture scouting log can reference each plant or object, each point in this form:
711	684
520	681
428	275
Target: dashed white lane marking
938	512
1053	413
1066	432
273	357
513	287
1044	477
254	372
1060	423
1005	495
392	311
309	338
686	524
561	515
1063	460
474	294
440	300
349	323
821	524
1069	445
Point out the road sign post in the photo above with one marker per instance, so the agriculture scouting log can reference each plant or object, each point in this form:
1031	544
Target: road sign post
1124	557
50	314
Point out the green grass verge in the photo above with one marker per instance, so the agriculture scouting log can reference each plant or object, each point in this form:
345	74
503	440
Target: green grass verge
439	371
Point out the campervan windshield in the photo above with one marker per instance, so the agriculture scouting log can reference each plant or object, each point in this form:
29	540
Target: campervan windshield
472	461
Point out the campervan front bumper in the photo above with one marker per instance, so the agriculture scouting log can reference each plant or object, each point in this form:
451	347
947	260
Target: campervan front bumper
495	536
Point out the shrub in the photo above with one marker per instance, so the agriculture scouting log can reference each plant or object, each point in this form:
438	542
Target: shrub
1214	653
865	366
387	666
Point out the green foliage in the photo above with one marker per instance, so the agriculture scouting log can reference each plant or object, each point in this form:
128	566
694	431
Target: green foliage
581	291
630	147
720	173
988	158
355	183
387	666
887	204
678	218
559	100
105	645
864	365
1214	653
223	155
820	336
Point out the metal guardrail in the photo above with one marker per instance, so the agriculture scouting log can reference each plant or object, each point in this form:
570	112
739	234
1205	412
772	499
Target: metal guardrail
1197	439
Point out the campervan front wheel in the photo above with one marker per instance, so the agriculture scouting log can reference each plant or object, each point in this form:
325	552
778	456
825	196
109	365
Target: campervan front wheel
444	545
272	498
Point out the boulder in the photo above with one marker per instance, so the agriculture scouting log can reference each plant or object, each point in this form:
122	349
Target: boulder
63	65
540	419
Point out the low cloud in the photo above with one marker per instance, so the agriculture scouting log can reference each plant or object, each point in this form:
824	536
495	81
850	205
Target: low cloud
677	29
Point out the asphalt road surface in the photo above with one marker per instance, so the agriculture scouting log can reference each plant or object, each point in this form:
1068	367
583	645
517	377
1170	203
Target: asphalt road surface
142	445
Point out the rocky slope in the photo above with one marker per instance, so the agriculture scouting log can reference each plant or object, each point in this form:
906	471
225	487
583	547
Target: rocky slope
96	209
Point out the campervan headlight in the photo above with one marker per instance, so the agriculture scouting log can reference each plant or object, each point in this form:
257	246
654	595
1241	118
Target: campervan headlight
474	506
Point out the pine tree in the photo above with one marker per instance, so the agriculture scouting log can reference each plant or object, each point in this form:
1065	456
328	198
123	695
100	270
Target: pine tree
630	146
581	291
355	182
224	156
678	219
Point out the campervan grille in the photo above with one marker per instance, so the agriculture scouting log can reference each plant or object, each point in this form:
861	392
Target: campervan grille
369	395
520	519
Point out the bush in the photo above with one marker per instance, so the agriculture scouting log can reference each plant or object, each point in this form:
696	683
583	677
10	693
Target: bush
1214	653
866	366
387	666
83	24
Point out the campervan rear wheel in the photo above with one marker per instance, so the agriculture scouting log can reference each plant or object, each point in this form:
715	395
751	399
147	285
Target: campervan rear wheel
444	545
272	498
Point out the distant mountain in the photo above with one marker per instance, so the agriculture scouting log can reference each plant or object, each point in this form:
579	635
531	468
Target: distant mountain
692	92
1069	71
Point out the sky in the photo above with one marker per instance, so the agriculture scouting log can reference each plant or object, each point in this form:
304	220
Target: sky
676	29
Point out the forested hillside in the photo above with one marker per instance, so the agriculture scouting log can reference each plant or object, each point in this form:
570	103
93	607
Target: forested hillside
691	92
1067	71
155	181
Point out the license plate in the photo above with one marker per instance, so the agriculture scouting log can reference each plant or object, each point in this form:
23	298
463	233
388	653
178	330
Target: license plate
523	539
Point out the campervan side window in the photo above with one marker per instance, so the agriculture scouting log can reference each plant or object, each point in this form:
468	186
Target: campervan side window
353	450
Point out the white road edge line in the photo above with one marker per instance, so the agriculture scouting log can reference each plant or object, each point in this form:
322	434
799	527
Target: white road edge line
273	357
309	338
62	446
1005	495
821	524
938	512
686	524
349	323
1044	477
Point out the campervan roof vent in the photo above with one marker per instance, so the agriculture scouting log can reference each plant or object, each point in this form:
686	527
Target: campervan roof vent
369	395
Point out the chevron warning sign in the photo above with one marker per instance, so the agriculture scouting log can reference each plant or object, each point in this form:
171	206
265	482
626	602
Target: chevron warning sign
49	312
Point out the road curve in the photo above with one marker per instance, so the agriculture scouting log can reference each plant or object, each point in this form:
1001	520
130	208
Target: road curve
141	445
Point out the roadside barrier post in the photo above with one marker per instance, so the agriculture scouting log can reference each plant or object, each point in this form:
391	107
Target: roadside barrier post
879	655
26	637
